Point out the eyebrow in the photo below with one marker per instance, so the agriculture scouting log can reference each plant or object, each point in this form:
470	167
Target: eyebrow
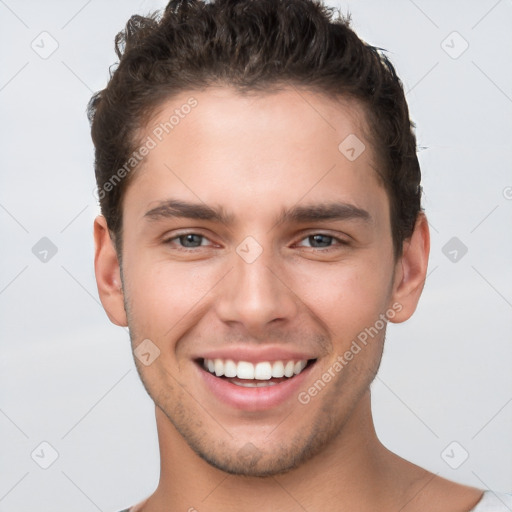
173	208
298	214
324	212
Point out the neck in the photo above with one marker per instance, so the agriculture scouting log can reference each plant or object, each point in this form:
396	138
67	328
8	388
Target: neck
354	470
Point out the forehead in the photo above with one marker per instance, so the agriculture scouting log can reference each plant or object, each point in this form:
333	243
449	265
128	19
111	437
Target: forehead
291	114
223	147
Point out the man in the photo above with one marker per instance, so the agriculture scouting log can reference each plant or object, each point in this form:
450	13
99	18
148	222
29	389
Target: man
260	192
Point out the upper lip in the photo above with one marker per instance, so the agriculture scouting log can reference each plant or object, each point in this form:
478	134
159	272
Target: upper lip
256	354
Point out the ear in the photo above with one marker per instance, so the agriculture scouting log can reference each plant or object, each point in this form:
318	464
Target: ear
411	271
108	273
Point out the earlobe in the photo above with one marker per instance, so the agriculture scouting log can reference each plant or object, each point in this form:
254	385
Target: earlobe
411	270
108	273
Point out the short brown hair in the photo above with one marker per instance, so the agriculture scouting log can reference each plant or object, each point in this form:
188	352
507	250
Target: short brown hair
251	45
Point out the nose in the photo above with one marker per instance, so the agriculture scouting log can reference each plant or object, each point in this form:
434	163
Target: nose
256	294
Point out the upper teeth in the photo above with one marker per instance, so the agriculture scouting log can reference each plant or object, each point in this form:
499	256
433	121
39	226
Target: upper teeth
259	371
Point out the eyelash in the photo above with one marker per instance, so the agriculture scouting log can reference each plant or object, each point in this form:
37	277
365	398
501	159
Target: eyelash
338	241
169	241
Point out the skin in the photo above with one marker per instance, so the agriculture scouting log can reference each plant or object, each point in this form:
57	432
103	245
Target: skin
255	156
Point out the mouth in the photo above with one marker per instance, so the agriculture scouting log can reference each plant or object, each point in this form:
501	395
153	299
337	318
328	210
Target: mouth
254	386
261	374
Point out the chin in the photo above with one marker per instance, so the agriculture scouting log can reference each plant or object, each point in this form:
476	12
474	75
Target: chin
265	457
250	462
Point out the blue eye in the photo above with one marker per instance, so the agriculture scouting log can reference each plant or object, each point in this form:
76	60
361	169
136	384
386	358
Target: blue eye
318	241
190	240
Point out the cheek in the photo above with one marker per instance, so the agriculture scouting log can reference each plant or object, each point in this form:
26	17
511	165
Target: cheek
346	299
162	295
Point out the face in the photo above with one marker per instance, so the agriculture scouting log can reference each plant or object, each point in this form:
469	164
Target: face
255	254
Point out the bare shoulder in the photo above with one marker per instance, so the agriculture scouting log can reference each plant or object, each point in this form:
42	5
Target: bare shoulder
418	490
438	494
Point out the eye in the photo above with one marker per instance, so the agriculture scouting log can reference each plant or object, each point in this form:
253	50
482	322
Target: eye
189	240
318	241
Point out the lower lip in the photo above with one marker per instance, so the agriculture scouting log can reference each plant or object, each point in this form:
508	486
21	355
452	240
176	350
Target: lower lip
254	399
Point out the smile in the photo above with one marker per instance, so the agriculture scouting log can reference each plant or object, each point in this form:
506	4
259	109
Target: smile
253	378
262	371
242	375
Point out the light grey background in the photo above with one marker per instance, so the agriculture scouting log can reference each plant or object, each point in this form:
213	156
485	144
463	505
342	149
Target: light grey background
67	375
